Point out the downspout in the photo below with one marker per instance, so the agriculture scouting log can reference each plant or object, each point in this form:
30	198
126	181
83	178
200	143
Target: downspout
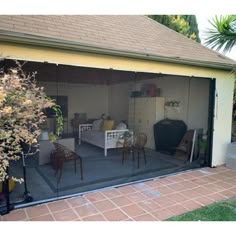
212	115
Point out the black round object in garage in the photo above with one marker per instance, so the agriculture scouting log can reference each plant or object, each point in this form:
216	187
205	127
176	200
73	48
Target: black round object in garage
168	134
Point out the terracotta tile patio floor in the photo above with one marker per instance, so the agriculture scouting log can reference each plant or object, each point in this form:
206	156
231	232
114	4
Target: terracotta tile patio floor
153	200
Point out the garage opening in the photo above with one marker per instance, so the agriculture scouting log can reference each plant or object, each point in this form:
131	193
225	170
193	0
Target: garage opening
106	112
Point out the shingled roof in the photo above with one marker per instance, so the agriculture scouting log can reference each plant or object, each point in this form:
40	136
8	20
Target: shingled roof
138	34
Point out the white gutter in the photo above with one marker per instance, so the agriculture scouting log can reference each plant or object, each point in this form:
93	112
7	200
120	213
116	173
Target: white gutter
14	37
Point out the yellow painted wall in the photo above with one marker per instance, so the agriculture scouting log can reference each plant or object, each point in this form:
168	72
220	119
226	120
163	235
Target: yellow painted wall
37	53
224	81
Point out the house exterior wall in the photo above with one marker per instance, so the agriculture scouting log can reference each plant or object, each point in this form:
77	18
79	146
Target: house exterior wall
224	81
69	57
223	118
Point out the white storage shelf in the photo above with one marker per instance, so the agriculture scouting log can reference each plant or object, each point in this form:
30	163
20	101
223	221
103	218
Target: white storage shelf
144	112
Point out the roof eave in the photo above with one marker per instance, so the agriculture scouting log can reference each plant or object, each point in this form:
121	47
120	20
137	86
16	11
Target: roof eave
14	37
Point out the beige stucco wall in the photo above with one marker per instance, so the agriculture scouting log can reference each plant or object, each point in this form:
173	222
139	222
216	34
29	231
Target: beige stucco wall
223	118
224	81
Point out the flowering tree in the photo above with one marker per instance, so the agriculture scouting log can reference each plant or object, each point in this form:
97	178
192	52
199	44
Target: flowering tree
21	112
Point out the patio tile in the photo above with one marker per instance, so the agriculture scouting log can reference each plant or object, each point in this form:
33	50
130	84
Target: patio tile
15	215
121	201
151	193
163	181
47	217
189	184
227	174
164	190
110	193
231	181
224	185
94	197
133	210
77	201
129	219
191	205
178	197
220	176
58	205
164	201
175	178
197	173
141	186
177	209
177	186
203	190
216	197
152	184
144	217
104	205
191	194
149	205
65	215
187	176
205	171
233	190
222	168
158	199
36	211
200	181
96	217
218	169
115	215
86	210
127	189
204	201
227	194
136	197
214	187
209	179
230	173
162	214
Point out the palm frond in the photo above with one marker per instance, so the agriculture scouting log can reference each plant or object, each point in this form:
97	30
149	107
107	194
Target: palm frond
223	34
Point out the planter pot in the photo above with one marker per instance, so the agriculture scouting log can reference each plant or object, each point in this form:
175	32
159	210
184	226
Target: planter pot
11	185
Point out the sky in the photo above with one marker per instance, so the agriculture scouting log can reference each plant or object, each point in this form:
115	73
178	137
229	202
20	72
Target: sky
203	25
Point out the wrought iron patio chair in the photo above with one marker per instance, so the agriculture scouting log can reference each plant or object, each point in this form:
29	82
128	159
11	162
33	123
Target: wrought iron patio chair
136	145
62	154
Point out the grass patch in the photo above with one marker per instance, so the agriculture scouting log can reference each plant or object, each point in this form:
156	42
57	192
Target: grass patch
221	211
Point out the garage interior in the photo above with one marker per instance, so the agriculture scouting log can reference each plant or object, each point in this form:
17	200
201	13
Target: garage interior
181	104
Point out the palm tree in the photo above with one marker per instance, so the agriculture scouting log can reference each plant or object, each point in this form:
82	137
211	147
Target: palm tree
223	34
